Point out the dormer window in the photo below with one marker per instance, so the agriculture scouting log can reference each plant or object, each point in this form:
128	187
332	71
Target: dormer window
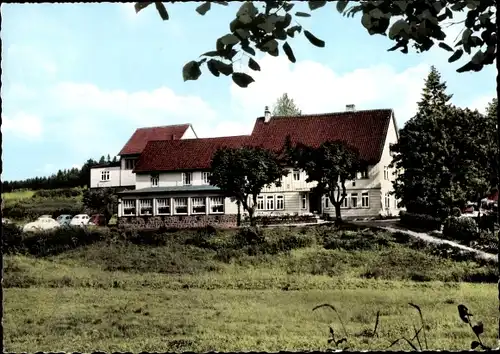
187	178
206	177
296	175
155	180
363	174
129	164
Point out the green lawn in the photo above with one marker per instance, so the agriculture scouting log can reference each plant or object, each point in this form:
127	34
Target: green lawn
18	195
186	292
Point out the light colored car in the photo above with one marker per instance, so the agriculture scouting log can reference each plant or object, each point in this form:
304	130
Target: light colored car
45	217
41	224
80	220
64	219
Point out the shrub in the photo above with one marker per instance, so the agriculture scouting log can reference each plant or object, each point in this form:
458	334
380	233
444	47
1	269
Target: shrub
32	209
456	212
487	222
248	236
285	240
460	229
58	193
12	238
420	221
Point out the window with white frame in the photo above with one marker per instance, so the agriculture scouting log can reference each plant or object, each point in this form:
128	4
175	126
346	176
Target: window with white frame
146	207
163	206
365	200
386	173
105	175
180	206
187	177
260	202
387	201
354	200
364	173
327	202
345	202
205	177
129	164
296	175
198	205
270	202
155	180
280	202
216	205
128	206
303	201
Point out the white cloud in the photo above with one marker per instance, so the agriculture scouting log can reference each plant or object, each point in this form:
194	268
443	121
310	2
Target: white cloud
23	125
480	103
316	88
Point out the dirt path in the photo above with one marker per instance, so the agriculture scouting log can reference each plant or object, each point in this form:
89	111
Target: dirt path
391	226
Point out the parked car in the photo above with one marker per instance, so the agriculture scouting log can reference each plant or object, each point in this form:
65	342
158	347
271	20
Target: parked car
98	219
6	221
80	220
41	224
45	217
64	219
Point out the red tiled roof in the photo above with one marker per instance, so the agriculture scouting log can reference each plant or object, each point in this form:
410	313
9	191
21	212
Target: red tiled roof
187	154
364	130
138	141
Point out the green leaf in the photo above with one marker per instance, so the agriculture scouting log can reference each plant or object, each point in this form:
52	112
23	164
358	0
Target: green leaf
288	6
248	49
242	79
474	344
478	328
203	8
212	53
397	27
191	71
314	40
252	64
223	3
445	46
161	10
302	14
291	31
229	39
316	4
289	53
211	67
341	5
141	5
242	33
455	56
223	68
247	12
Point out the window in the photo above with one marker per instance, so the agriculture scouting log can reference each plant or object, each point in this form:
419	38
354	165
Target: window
387	201
163	206
280	202
304	201
128	206
104	175
327	202
146	206
365	201
345	203
354	200
270	202
198	205
129	164
217	205
354	183
363	174
296	175
155	180
260	202
205	176
180	205
386	173
186	178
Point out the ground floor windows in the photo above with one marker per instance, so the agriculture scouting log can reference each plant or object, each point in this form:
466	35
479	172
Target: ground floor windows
128	206
354	200
198	205
365	200
303	200
280	202
216	205
163	206
270	202
145	206
387	201
180	206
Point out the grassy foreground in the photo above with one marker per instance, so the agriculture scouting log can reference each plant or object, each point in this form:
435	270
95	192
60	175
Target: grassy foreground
198	292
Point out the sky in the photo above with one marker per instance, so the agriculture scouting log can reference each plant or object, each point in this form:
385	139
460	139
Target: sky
78	79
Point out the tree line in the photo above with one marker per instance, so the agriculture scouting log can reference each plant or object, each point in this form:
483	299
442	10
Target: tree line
66	178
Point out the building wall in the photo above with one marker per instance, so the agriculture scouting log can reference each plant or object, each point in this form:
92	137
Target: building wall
178	222
189	134
96	177
167	179
374	208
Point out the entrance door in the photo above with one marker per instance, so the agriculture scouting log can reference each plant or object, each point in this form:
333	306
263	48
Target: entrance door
315	203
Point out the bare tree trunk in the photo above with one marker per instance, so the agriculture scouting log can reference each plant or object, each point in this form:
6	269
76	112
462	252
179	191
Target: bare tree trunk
338	215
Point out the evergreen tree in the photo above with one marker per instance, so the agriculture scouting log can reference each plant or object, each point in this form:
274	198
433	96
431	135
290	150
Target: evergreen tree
114	159
108	160
102	160
285	106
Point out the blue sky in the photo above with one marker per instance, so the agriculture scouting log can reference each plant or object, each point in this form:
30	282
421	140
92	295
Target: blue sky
78	79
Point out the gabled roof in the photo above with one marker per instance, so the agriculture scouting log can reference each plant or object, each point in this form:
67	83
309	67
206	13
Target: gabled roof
138	140
186	154
364	130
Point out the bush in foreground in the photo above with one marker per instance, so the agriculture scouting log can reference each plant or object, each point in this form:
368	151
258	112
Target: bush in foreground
460	229
420	221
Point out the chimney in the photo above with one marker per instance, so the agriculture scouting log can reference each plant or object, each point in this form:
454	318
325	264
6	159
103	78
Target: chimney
267	115
173	136
350	108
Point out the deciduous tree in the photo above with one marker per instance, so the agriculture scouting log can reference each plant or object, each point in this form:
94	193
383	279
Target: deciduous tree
242	173
103	201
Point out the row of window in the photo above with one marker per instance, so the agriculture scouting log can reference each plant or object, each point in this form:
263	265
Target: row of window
173	206
187	179
352	201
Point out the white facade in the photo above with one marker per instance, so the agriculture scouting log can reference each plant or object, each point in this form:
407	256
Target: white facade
101	177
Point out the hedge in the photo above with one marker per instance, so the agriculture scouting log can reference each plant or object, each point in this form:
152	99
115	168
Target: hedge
33	209
58	193
282	219
419	221
460	229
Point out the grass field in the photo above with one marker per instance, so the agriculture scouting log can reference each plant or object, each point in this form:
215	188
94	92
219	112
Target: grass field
187	291
18	195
